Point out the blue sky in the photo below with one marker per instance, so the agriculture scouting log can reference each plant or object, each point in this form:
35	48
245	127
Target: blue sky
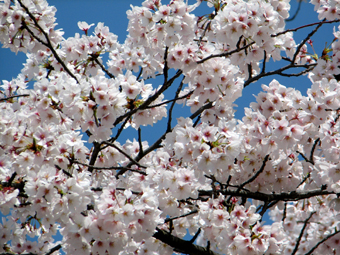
113	14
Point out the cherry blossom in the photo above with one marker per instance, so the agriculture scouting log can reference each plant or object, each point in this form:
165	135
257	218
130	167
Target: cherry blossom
64	166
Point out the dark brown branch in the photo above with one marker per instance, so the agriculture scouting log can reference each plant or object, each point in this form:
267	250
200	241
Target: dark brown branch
169	101
310	160
193	239
149	100
103	68
225	54
10	181
140	141
304	26
181	245
10	97
284	215
110	168
173	104
146	152
201	109
95	153
266	206
197	121
48	253
54	249
322	241
158	142
279	71
264	62
165	68
301	233
204	32
140	74
304	179
48	44
240	187
119	131
308	67
311	157
124	153
307	70
305	40
133	192
266	158
181	216
284	196
295	14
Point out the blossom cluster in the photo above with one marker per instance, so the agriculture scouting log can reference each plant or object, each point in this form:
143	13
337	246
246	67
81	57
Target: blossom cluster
327	9
63	168
240	231
309	214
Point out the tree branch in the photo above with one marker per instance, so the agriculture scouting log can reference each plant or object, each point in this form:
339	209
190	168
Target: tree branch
48	44
181	245
181	216
308	25
48	253
149	100
284	196
301	233
200	110
296	13
279	71
110	168
10	97
224	54
306	39
103	67
172	106
140	141
124	153
322	241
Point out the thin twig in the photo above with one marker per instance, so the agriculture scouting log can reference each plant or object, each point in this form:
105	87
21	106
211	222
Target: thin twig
301	233
240	187
284	196
54	249
297	51
264	62
110	167
124	153
119	131
10	97
225	54
149	100
48	44
140	141
296	13
103	68
172	105
266	158
304	26
169	101
165	68
181	216
95	153
193	239
284	215
322	241
201	109
280	72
